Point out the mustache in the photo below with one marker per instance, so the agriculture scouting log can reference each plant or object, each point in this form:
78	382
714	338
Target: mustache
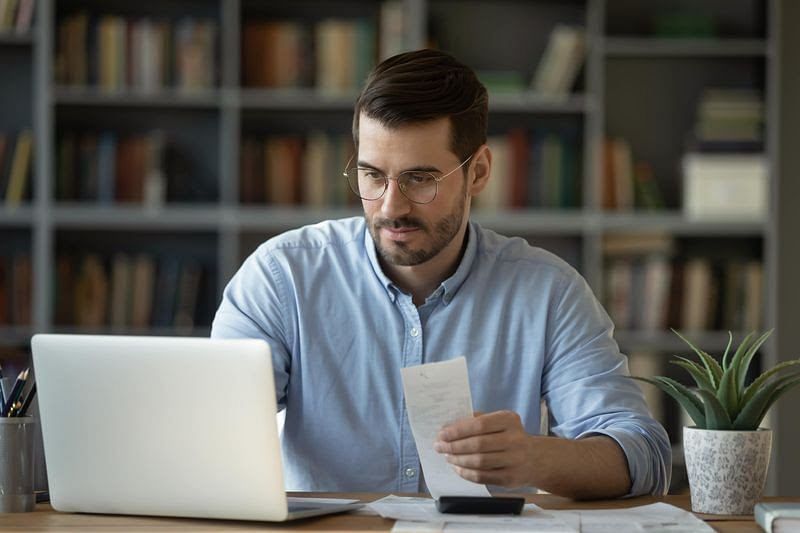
398	223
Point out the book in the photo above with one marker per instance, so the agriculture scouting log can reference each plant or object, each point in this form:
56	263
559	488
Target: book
20	169
21	289
187	296
561	61
392	29
24	16
697	295
5	289
121	290
141	304
778	517
91	293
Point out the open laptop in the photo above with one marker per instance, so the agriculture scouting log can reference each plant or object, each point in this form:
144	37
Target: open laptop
164	426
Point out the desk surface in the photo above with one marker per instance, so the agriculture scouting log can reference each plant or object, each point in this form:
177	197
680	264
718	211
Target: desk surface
45	519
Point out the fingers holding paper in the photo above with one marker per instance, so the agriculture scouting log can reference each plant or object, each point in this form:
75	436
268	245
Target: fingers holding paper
491	448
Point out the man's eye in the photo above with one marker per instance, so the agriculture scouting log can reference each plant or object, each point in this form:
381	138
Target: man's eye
371	175
419	179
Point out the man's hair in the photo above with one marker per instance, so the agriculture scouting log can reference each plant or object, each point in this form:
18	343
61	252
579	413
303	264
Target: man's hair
423	86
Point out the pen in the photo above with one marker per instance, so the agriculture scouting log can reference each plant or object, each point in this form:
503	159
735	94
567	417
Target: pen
2	392
26	402
15	392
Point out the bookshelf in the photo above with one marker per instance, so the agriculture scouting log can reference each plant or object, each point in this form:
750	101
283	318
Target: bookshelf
633	84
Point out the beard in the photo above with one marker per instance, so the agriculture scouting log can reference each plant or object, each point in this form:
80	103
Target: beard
401	253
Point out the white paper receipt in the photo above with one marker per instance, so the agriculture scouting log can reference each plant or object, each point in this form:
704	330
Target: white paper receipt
438	394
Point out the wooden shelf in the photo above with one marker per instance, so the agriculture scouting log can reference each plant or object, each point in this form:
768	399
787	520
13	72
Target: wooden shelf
13	39
713	342
93	96
200	217
679	47
21	216
296	99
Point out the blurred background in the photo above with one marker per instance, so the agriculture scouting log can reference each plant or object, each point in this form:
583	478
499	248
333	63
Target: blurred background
146	148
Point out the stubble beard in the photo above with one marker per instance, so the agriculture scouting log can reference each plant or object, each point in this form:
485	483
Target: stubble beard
400	253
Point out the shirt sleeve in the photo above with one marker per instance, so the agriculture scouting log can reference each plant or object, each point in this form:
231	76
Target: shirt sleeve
254	306
587	390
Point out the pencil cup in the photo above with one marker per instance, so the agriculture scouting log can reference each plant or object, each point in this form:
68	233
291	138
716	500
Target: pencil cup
16	464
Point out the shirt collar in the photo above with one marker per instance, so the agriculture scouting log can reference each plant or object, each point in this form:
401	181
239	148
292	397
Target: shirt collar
448	288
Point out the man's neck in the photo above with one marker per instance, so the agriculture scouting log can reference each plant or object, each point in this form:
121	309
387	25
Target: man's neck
421	280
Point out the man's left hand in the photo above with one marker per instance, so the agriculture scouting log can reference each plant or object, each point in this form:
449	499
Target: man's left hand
491	448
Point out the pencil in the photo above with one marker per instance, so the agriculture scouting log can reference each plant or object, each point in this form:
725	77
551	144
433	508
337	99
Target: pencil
15	392
27	402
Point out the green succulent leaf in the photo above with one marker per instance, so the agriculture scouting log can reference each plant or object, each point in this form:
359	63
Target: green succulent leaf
716	415
699	375
744	363
713	369
728	393
682	395
759	382
727	351
754	411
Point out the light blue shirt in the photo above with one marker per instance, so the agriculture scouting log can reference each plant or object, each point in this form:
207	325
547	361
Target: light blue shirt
340	331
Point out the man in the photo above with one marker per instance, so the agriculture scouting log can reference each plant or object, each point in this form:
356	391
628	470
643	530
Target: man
346	304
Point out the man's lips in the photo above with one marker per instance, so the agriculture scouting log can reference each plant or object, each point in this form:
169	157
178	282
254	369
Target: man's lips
399	234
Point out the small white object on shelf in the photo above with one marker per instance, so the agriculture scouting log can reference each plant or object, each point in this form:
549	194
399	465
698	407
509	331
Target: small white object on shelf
725	186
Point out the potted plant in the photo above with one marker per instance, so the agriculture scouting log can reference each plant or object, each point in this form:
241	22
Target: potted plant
727	452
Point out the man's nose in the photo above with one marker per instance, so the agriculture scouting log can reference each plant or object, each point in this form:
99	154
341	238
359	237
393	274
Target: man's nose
394	202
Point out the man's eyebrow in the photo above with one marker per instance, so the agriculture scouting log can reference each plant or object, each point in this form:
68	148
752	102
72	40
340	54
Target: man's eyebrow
420	168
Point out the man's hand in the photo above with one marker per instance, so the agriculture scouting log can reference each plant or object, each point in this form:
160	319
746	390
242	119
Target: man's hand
494	449
490	448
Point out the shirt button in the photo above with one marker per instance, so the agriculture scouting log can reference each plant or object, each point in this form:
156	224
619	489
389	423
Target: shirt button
414	332
411	472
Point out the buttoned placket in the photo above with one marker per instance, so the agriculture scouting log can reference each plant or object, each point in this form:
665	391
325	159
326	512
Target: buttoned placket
409	465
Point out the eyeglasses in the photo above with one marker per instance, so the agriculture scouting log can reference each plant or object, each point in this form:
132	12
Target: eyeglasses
418	186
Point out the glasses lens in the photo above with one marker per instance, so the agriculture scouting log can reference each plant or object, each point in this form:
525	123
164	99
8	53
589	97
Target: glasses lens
419	187
365	183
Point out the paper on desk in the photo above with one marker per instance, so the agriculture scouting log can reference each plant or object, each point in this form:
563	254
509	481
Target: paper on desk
659	517
423	512
436	395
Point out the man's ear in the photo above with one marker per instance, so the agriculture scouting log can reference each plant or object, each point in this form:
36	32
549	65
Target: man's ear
482	167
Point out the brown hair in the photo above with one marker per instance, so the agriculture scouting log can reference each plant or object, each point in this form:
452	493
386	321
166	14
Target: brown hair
422	86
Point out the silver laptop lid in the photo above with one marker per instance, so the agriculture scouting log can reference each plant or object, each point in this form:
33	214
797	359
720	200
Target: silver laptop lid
160	426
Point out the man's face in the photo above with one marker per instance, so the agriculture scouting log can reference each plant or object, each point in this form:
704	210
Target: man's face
406	233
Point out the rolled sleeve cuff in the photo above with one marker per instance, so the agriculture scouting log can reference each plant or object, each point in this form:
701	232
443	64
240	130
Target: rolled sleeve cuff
649	462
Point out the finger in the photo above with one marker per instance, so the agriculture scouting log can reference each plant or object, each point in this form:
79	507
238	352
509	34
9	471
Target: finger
481	461
487	423
501	477
493	442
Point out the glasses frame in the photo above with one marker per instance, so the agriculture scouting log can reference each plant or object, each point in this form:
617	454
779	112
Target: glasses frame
388	177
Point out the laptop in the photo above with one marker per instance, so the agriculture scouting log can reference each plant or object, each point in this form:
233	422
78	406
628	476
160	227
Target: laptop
164	426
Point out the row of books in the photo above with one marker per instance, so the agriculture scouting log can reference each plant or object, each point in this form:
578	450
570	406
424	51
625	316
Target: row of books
648	288
627	183
16	16
539	168
15	289
292	170
127	291
655	293
15	167
117	53
107	167
332	55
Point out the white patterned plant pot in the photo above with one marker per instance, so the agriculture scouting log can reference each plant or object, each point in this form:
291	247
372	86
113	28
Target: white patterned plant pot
727	469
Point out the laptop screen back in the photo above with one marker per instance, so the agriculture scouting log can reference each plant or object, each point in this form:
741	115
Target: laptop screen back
160	426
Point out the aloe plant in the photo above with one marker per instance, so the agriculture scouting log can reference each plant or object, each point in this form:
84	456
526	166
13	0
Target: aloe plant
721	400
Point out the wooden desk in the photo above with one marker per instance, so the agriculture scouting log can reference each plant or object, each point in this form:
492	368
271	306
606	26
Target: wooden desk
45	519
